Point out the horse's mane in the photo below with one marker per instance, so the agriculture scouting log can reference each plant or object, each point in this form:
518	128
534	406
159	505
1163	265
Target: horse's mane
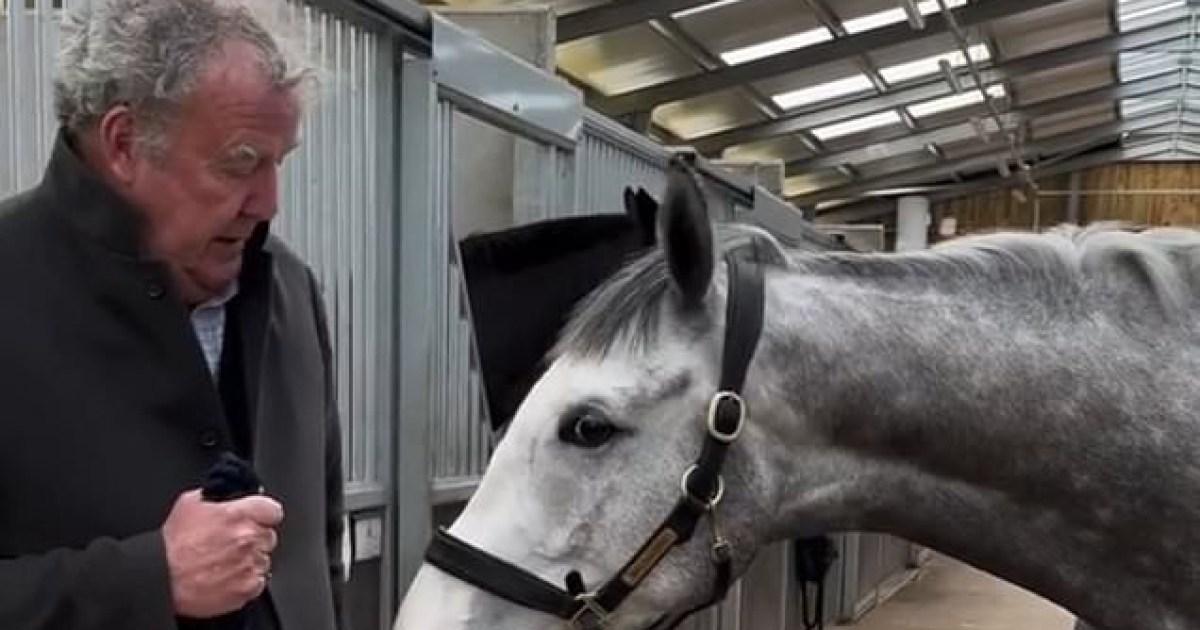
1162	263
1107	259
625	308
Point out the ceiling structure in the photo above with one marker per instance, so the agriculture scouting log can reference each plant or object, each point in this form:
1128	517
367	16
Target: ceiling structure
863	99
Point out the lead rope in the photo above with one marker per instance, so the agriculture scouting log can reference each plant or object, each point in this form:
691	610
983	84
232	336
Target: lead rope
817	621
814	556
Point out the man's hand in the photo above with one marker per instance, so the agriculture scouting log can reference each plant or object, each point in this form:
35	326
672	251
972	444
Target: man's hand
219	554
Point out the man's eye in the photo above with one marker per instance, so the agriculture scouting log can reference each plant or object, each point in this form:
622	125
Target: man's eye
242	162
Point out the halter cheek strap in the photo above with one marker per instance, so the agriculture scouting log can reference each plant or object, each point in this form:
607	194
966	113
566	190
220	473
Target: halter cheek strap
701	488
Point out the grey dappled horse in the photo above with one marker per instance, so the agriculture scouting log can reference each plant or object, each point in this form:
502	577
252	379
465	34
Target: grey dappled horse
1026	403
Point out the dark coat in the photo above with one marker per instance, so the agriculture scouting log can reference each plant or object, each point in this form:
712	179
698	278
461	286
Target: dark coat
109	413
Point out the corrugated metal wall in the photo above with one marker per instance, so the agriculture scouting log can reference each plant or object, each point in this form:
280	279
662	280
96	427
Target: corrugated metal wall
460	435
338	213
608	158
29	43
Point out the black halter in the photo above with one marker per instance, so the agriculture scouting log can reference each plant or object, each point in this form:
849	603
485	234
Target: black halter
701	485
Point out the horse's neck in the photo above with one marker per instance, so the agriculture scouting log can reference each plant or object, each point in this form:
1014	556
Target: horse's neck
1036	449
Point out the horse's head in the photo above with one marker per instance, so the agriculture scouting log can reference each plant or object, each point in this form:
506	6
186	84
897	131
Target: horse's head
593	462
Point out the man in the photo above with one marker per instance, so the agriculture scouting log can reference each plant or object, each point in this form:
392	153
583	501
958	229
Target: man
149	324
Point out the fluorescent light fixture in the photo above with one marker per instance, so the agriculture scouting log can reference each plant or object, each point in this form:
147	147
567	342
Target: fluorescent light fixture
704	7
824	91
892	16
882	119
931	65
945	104
1141	13
776	46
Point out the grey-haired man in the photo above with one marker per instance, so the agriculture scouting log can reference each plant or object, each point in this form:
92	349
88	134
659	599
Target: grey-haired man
150	324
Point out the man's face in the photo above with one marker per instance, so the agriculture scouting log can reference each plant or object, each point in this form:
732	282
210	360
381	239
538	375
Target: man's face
218	177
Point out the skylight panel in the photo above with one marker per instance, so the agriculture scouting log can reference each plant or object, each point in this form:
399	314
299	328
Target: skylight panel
892	16
969	97
823	92
1134	107
929	65
857	125
704	7
1129	11
1140	64
776	46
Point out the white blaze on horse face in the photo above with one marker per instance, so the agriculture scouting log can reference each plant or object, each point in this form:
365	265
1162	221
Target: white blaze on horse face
437	600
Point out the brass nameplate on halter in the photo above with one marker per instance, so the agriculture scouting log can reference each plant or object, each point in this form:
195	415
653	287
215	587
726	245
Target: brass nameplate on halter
650	557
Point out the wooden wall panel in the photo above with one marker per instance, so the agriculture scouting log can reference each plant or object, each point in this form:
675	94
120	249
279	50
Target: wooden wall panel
999	210
1143	209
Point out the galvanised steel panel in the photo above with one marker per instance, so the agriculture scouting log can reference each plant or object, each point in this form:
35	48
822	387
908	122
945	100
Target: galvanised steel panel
337	212
610	158
29	40
498	86
460	433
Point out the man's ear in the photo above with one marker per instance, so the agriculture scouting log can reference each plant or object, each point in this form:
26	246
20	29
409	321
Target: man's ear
115	140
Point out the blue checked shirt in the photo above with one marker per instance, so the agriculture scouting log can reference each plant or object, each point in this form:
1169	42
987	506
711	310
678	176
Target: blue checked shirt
208	320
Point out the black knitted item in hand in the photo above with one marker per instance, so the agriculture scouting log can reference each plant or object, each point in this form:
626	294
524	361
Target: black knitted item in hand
230	478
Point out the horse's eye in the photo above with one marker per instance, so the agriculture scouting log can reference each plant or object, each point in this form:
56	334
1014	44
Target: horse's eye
586	427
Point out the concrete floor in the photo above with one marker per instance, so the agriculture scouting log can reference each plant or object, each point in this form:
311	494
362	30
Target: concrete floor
950	595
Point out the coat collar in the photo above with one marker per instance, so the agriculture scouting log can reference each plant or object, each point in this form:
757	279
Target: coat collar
88	204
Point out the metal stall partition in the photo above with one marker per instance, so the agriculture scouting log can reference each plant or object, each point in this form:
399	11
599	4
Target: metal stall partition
29	39
338	212
489	106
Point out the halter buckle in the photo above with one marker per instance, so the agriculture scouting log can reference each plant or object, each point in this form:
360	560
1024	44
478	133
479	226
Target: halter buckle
708	504
590	616
714	408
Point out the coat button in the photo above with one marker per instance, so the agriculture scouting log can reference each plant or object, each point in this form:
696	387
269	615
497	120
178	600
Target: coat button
155	290
209	438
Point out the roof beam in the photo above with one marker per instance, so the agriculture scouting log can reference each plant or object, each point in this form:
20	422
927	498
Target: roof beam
670	30
908	171
619	14
958	127
937	87
861	211
645	99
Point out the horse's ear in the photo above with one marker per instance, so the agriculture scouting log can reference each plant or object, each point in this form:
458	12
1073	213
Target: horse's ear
686	234
630	201
643	209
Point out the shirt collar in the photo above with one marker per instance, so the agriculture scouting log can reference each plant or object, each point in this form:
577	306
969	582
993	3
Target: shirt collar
220	300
